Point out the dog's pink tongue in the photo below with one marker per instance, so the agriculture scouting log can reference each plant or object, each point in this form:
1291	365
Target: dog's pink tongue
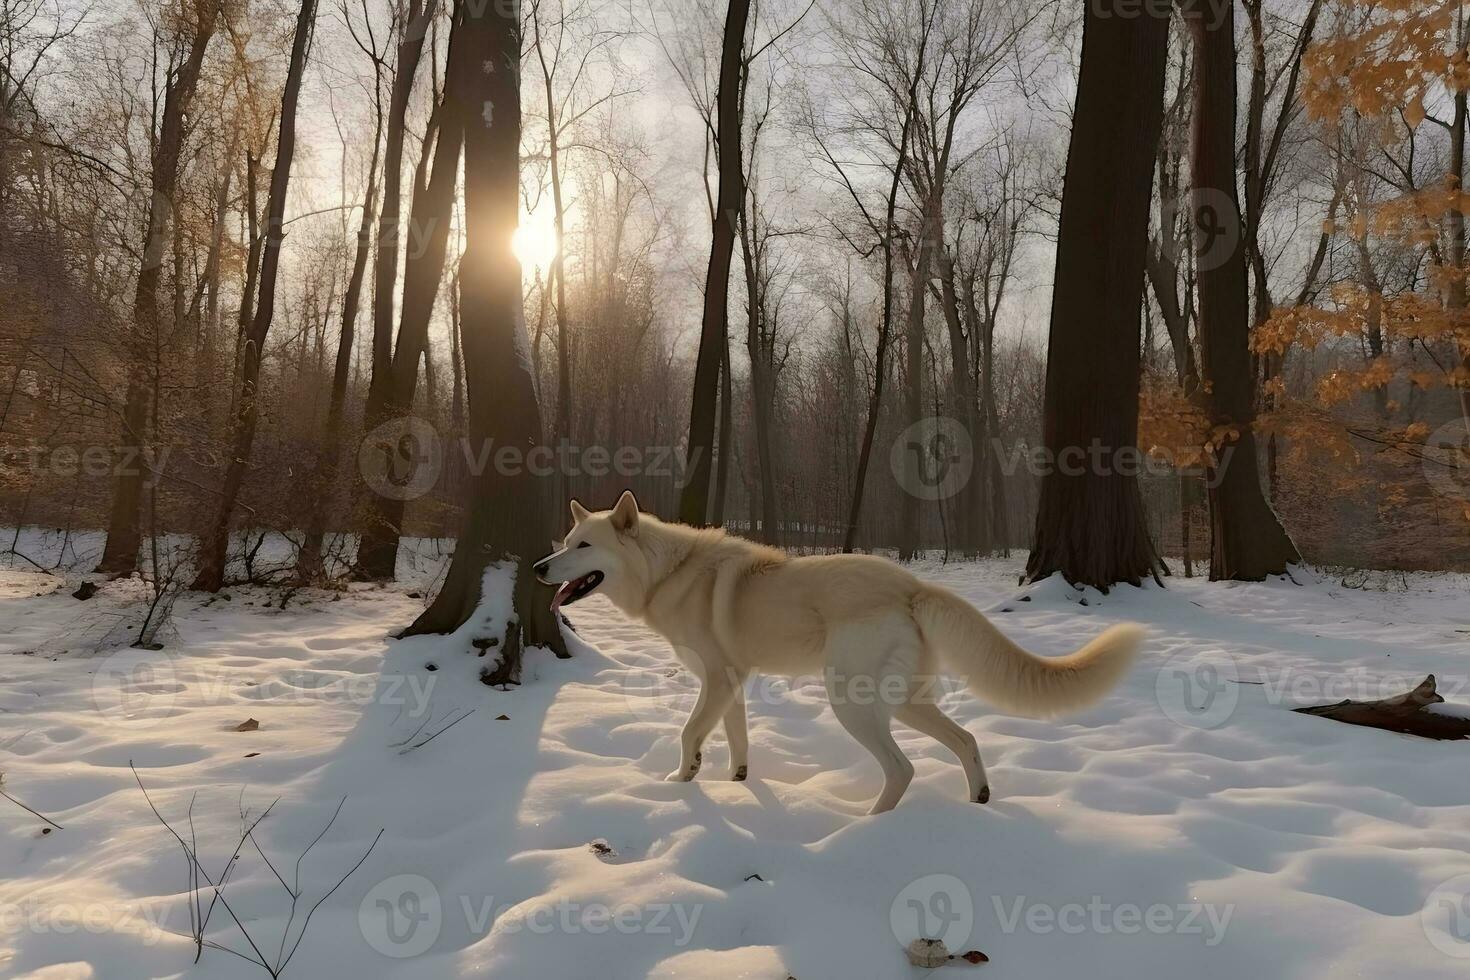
562	594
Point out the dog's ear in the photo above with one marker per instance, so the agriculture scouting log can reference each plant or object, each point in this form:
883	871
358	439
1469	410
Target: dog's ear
579	513
625	514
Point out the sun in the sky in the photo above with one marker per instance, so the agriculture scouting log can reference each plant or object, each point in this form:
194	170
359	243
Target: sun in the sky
535	241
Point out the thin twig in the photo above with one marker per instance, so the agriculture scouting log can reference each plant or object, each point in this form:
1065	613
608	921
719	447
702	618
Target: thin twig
30	811
306	923
441	731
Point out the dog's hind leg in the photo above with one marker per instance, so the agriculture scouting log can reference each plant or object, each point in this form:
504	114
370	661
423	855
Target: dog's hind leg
714	699
737	736
925	717
859	689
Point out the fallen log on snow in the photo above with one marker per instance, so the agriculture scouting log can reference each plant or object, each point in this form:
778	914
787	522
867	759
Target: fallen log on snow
1407	714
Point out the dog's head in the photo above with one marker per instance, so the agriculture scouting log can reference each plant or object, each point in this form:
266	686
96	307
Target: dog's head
599	553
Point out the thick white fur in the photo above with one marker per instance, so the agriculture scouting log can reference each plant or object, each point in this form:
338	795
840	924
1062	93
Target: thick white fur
878	635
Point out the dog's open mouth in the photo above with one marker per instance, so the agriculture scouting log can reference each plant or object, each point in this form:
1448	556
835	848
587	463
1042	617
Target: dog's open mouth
576	589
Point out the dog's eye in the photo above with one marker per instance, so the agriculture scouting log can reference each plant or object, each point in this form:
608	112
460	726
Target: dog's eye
585	544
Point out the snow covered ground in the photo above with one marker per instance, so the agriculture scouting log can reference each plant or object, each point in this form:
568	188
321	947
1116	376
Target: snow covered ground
1189	826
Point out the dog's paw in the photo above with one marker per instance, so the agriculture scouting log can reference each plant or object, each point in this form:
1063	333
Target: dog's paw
739	774
686	773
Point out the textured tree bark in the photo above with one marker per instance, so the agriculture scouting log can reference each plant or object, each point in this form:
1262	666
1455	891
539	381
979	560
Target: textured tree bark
694	500
309	567
432	211
1090	524
913	392
1247	539
969	517
722	468
120	554
885	332
507	509
214	542
762	380
377	552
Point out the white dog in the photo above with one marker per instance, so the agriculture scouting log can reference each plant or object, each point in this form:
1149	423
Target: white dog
877	634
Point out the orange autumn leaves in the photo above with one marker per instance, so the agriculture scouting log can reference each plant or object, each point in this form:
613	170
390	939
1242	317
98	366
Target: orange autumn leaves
1175	428
1391	56
1352	311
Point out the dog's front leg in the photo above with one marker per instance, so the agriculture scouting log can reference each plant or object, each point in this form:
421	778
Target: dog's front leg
737	736
714	699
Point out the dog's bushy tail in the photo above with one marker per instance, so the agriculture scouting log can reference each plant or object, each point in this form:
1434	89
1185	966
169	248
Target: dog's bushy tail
1011	678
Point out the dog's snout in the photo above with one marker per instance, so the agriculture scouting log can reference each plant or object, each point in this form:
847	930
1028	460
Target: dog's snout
541	568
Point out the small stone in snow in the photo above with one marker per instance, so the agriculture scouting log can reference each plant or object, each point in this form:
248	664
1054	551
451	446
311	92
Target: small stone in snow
927	952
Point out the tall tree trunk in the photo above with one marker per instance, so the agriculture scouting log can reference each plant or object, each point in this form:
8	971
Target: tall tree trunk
309	565
1247	539
694	500
757	346
968	518
722	469
885	325
1090	523
563	431
120	555
1457	299
1000	525
433	208
507	517
991	497
377	552
456	359
215	542
1261	155
909	532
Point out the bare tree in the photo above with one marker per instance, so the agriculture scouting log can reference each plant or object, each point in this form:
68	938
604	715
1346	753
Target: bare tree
120	555
1248	541
1090	524
215	541
309	561
714	327
377	550
506	519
